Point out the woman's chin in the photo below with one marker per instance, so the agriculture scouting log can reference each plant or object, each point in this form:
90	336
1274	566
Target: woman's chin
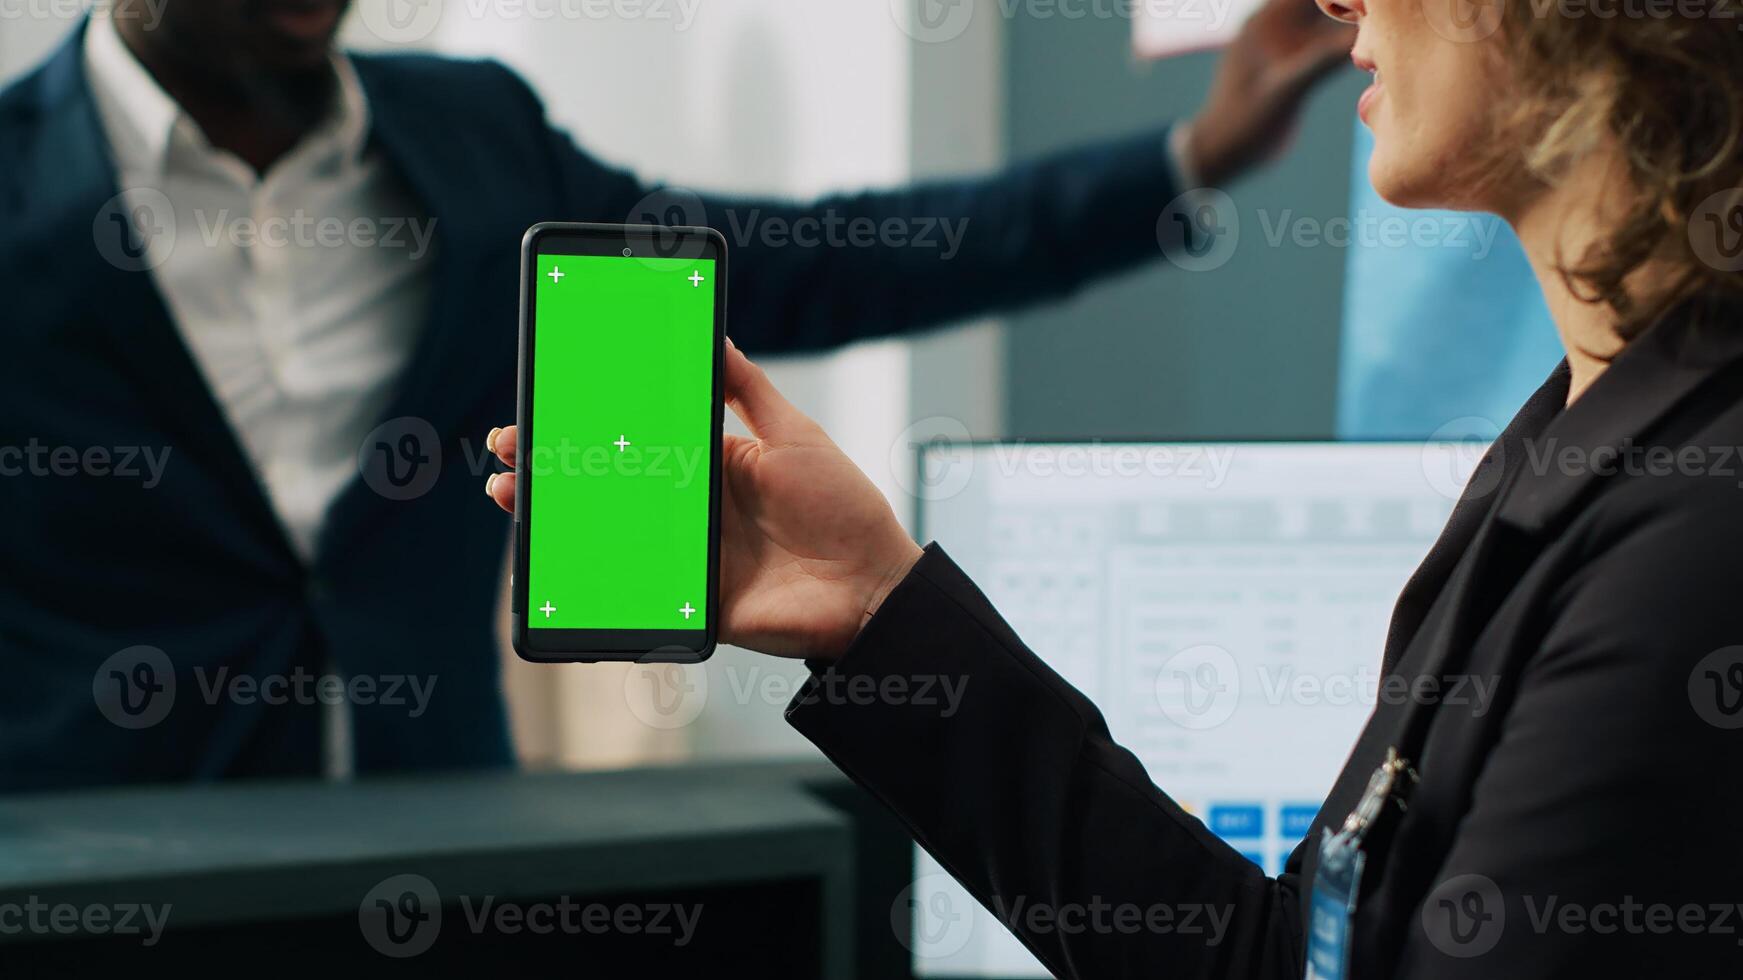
1401	187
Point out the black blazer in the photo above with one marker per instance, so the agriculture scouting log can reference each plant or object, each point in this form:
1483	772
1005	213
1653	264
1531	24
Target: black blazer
1586	822
100	565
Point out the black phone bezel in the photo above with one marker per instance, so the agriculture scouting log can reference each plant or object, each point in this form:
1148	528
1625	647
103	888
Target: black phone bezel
628	242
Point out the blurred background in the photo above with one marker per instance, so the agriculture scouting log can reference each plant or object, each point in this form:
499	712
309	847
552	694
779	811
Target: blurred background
1302	334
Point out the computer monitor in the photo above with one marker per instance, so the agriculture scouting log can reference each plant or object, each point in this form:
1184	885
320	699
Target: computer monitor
1225	604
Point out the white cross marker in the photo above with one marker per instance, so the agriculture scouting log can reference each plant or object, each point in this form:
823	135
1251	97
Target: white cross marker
687	610
622	443
696	280
547	609
556	275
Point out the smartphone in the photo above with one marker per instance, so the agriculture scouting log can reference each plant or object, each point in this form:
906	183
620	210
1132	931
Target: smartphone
617	510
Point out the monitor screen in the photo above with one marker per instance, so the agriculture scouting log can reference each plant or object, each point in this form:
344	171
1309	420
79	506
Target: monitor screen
1224	604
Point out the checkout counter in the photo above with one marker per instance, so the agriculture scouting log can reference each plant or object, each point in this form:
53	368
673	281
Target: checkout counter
784	869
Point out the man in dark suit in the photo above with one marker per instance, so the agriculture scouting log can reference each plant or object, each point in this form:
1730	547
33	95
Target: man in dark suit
261	299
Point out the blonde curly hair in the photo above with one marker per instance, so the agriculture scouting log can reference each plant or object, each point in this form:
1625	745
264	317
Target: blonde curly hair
1663	84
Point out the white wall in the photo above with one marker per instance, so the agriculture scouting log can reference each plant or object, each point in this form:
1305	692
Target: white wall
28	32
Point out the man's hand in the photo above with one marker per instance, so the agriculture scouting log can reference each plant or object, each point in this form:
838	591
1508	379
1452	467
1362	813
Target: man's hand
1268	69
808	547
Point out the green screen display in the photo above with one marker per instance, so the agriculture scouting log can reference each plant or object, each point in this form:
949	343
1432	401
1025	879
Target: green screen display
622	443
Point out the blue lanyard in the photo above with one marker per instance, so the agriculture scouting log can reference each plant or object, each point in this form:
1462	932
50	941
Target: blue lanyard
1338	881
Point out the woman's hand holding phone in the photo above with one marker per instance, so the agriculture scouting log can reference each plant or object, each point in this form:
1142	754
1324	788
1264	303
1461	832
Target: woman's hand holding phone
809	548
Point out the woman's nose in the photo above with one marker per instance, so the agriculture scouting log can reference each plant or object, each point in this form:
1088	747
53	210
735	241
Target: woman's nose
1348	11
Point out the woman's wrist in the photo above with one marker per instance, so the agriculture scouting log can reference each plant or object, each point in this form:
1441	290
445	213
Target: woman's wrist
877	588
894	573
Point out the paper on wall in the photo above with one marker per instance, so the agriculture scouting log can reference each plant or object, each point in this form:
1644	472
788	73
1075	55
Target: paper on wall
1161	28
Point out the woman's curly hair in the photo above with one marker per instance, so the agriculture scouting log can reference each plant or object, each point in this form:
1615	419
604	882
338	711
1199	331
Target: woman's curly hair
1663	80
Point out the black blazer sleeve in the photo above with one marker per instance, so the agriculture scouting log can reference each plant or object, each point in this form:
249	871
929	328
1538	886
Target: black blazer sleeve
815	275
1601	837
1007	775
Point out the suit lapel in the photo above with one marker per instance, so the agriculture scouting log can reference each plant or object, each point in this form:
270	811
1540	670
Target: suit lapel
1440	610
107	274
1509	512
1422	631
1657	372
1497	466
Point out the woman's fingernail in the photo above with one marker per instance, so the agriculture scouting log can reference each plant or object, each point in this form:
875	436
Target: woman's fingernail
490	485
490	440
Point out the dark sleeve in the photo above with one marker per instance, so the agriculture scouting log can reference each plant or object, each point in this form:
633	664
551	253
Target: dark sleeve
1605	833
816	275
1007	775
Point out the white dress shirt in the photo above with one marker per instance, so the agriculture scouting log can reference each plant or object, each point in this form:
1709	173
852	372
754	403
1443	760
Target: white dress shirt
299	293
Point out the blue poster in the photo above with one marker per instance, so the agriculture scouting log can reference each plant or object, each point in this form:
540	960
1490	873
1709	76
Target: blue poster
1445	330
